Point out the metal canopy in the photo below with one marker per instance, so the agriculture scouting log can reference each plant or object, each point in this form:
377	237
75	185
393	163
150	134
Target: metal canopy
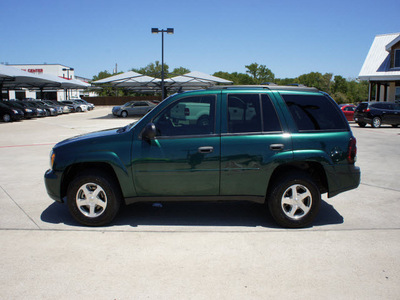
135	81
194	80
14	78
131	80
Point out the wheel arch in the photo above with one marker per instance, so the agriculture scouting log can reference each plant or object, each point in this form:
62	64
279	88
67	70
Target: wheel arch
313	169
72	171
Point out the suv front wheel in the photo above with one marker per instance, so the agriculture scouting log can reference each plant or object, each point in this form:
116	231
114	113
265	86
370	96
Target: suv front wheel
93	199
294	200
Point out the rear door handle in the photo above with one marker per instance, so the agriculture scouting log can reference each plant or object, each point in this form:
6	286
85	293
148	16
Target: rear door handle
205	149
276	147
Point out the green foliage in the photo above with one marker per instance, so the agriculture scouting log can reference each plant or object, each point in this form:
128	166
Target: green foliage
317	80
260	73
179	71
153	69
106	90
101	75
236	78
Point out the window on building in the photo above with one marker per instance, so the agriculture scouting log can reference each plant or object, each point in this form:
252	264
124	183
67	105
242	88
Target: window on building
397	58
397	96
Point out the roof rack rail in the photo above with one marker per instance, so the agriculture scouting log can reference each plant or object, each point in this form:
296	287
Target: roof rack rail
267	87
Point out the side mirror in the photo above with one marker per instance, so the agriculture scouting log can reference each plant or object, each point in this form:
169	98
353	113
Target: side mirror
149	132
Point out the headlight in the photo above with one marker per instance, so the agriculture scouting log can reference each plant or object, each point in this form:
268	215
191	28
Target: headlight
15	111
52	158
28	110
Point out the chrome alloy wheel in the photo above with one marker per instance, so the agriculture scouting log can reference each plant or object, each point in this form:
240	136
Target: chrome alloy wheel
91	200
296	201
376	122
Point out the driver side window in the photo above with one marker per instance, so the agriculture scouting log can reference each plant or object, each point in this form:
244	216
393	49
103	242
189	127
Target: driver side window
188	116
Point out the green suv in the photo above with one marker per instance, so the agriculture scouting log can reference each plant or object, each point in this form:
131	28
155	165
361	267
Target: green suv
282	146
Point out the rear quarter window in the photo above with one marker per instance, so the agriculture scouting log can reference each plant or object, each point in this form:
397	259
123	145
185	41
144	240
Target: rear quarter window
315	112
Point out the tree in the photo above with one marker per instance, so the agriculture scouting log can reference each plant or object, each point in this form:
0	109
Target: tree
101	75
236	78
153	69
317	80
339	85
106	90
260	73
179	71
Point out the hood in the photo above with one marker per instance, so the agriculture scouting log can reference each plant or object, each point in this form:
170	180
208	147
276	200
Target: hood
90	137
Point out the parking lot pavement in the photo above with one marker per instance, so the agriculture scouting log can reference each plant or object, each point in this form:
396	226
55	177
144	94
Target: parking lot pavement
193	250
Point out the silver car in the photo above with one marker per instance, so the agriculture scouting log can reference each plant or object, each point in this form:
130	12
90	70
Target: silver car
133	108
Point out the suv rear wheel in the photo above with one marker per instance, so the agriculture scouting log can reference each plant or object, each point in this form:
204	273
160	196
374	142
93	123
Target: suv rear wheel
294	200
93	198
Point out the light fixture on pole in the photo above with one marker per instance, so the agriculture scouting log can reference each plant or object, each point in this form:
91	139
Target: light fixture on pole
67	91
169	31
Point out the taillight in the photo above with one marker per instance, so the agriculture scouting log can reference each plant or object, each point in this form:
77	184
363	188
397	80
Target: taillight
366	110
352	151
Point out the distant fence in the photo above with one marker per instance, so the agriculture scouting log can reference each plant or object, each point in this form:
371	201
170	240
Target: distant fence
111	101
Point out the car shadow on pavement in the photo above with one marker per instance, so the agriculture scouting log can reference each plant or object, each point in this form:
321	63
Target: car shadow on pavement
111	116
244	214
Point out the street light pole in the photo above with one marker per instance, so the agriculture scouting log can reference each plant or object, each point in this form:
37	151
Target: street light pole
67	91
169	31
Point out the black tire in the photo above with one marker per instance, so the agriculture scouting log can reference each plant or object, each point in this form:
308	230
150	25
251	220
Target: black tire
395	125
102	208
124	114
6	118
361	124
279	198
78	109
376	122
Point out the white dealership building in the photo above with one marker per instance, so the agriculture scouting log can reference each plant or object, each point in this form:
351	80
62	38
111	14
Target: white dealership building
59	70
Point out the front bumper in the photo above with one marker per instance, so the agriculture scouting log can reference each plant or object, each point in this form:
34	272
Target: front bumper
52	181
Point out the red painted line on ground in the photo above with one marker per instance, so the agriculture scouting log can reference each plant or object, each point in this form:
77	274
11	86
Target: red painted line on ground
31	145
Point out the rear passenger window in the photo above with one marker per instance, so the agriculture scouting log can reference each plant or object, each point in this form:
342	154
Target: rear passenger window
251	113
314	112
270	118
244	113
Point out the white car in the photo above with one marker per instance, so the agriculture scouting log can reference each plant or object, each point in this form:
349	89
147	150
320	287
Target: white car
79	107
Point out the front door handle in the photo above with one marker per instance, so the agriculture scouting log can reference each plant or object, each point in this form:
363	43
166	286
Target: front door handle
205	149
276	147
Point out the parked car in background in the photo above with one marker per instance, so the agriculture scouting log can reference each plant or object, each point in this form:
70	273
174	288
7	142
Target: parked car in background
58	108
49	111
8	114
40	112
348	110
133	108
81	101
15	104
78	107
377	113
65	108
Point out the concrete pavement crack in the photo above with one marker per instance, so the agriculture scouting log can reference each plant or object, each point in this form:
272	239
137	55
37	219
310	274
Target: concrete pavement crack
381	187
20	207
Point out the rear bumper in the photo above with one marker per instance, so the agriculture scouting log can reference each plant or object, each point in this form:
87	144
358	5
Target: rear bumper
343	178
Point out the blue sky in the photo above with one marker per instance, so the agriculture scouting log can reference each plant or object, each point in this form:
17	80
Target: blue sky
289	37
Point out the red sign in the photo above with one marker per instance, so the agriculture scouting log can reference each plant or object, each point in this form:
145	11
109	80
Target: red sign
33	70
